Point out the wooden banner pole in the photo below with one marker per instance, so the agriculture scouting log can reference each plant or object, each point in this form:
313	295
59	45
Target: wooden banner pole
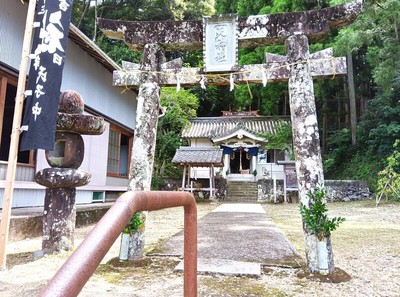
13	152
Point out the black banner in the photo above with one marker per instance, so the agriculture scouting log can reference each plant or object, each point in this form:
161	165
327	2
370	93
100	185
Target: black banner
52	22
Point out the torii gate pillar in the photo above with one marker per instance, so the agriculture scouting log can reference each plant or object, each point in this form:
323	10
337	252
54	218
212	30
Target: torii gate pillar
144	142
305	134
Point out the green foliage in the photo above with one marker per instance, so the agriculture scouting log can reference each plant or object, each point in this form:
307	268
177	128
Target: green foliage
380	126
282	139
134	224
389	177
315	215
213	100
118	50
339	144
179	108
226	6
157	182
373	41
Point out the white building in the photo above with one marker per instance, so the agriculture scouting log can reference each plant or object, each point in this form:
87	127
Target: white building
88	71
245	157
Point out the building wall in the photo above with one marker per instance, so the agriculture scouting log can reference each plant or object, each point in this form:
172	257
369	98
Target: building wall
12	20
81	72
85	75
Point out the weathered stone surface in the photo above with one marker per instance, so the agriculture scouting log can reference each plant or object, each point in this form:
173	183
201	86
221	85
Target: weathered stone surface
59	220
306	145
62	180
274	71
62	177
266	190
71	102
79	123
254	31
68	152
144	142
146	120
303	117
347	190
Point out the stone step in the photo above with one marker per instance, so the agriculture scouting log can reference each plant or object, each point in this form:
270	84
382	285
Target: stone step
225	267
242	191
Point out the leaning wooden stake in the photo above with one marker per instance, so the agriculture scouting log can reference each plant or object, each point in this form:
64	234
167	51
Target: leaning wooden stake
13	153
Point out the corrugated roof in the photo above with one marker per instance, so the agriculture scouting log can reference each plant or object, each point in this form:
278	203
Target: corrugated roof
211	127
199	156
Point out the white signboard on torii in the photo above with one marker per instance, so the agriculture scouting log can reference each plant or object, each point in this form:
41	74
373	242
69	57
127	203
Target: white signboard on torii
220	44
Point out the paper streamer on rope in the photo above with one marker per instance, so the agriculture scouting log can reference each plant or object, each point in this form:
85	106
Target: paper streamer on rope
203	82
231	81
178	82
264	78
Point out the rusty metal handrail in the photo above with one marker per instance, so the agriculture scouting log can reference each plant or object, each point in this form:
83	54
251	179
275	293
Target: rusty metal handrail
79	267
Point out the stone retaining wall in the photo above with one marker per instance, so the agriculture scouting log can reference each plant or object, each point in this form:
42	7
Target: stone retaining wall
338	190
266	190
347	190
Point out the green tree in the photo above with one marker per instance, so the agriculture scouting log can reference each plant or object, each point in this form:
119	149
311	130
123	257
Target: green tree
389	177
374	43
179	108
281	139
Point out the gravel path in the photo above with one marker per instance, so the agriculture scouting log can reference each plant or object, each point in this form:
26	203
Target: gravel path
366	246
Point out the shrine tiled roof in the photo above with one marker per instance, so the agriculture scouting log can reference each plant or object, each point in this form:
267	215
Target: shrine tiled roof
211	127
199	156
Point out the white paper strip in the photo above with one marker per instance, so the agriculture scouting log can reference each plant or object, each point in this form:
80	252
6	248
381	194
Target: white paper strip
28	93
203	82
264	78
178	82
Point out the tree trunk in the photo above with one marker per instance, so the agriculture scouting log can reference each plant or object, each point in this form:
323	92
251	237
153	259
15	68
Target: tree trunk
324	123
305	134
86	5
95	21
352	97
346	105
148	102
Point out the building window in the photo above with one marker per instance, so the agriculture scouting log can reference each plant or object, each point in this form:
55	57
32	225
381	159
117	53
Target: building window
119	149
8	92
275	155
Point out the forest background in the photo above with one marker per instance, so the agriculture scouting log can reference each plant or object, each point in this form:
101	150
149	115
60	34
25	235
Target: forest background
359	115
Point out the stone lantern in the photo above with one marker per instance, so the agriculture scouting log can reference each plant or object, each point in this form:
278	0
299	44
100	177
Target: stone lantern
64	176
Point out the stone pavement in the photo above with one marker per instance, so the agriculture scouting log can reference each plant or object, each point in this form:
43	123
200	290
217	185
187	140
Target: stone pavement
237	239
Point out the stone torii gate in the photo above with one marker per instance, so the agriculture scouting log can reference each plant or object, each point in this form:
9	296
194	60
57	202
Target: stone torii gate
298	67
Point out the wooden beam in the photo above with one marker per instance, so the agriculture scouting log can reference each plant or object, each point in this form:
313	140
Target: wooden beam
3	92
253	31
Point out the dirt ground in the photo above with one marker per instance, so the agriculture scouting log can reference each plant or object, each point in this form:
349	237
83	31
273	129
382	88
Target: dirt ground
366	246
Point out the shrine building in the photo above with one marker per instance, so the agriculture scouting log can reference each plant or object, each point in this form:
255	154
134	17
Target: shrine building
230	146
